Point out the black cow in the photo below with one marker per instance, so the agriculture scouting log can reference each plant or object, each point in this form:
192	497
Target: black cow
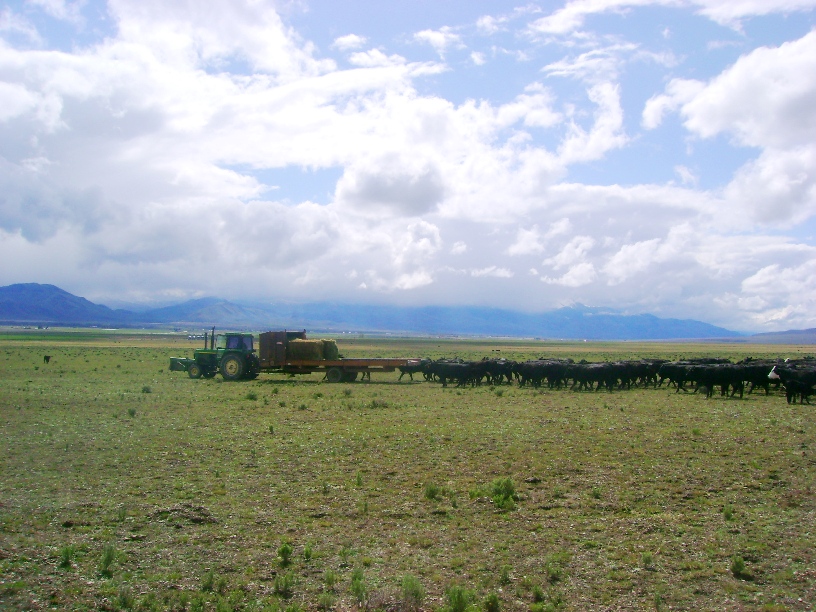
413	367
798	382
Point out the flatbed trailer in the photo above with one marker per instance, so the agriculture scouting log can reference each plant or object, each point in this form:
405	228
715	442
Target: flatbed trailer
275	356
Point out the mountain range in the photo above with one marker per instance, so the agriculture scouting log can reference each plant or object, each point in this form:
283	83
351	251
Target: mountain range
36	304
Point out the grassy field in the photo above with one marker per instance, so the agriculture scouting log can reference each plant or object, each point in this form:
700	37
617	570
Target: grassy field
126	486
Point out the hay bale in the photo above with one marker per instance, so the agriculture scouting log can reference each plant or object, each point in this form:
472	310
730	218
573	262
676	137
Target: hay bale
330	350
311	350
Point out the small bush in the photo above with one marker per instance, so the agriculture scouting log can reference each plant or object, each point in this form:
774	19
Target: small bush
358	479
647	560
208	582
491	603
285	551
125	598
458	598
504	575
728	512
326	601
131	412
538	594
147	389
433	492
358	587
251	396
67	553
108	557
303	407
503	493
284	583
307	553
330	578
738	568
413	593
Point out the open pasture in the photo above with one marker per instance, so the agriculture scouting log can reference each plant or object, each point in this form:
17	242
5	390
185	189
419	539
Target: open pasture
124	486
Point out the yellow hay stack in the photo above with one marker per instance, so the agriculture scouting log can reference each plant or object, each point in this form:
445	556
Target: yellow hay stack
330	351
311	350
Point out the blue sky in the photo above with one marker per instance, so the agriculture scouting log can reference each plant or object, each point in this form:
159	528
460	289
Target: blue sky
645	155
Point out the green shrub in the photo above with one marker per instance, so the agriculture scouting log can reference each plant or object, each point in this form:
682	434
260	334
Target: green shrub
326	601
458	599
491	603
108	557
647	560
413	593
208	582
330	578
285	551
738	568
125	598
147	389
67	553
284	583
728	512
251	396
307	553
358	587
433	492
538	594
503	493
131	412
504	575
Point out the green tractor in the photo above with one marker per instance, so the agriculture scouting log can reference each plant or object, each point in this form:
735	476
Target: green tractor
231	353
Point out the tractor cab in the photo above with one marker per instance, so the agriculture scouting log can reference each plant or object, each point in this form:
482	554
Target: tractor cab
234	342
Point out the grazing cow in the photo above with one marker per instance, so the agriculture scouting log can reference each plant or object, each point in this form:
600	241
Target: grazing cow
444	371
798	382
46	358
412	368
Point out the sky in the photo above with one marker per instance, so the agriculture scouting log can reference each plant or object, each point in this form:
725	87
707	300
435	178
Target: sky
649	156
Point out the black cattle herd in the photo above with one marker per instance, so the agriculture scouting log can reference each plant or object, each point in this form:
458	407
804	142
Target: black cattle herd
796	377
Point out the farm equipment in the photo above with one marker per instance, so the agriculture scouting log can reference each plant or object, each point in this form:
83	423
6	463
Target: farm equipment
289	352
232	354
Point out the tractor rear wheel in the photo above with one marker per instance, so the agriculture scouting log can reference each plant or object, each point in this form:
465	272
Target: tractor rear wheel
232	367
194	370
334	375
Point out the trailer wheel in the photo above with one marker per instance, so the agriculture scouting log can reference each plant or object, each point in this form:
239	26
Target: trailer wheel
334	375
349	376
194	370
232	367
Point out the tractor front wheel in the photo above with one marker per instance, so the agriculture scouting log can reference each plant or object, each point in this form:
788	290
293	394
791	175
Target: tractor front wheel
194	370
232	367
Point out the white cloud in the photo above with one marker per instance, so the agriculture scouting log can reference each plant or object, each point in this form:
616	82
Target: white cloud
348	42
375	58
458	248
493	271
577	276
440	39
575	251
528	241
478	58
60	9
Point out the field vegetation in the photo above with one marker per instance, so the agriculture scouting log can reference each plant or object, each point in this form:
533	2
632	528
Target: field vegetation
124	486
